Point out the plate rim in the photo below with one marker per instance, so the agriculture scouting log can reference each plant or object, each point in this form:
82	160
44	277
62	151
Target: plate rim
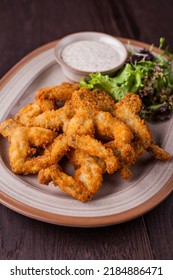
95	221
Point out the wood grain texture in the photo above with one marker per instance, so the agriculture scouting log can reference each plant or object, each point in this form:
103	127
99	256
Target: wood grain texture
28	24
32	239
159	223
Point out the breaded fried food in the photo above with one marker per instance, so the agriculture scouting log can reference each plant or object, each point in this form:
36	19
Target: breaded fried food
7	127
61	92
52	119
124	163
36	136
45	101
43	112
86	181
95	148
81	124
158	152
28	112
92	101
53	153
126	110
113	129
24	144
88	171
95	134
66	183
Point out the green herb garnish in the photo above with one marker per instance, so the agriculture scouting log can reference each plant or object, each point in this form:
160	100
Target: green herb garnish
146	74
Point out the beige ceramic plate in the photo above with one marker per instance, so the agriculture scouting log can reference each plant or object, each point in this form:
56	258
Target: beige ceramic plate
117	201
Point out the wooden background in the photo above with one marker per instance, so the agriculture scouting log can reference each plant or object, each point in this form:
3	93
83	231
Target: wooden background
28	24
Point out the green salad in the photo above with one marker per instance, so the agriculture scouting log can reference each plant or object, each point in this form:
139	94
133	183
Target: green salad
146	74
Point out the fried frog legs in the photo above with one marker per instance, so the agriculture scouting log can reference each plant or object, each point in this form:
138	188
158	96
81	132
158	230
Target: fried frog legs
95	134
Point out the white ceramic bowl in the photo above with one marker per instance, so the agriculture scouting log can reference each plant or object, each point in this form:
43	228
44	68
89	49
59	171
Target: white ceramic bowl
88	50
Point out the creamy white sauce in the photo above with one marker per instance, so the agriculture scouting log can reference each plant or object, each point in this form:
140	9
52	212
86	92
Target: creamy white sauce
90	56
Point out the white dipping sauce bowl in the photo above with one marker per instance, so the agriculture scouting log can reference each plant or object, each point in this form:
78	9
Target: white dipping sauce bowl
82	53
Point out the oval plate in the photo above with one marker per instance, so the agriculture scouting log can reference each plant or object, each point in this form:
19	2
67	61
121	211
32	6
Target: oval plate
117	201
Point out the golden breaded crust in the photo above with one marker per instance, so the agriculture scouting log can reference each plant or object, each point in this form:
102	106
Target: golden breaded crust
95	134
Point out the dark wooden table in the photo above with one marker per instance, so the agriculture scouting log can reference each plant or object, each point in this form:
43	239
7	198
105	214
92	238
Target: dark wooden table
28	24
